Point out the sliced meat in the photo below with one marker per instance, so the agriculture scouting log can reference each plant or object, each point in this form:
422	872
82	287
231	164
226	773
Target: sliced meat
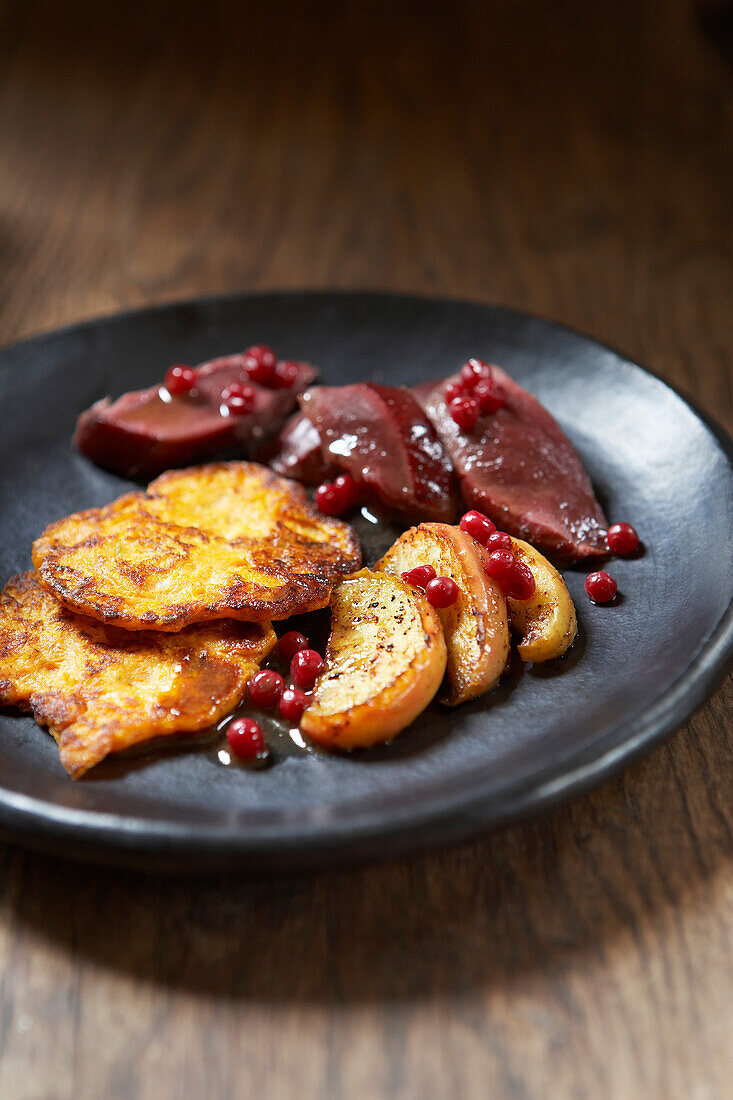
145	432
380	435
299	455
521	470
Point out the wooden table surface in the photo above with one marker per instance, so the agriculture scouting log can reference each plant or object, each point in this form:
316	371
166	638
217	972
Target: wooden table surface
572	159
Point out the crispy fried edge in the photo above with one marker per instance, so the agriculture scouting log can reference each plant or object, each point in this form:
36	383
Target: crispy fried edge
49	708
317	586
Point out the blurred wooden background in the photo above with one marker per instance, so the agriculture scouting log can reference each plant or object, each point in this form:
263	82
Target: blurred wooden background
569	158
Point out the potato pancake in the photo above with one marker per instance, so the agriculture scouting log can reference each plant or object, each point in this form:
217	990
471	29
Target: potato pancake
100	689
228	540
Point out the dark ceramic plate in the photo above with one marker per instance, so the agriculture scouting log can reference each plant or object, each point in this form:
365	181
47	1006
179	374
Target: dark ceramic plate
638	669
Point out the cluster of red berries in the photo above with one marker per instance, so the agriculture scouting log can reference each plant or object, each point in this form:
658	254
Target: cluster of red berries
238	398
514	577
267	689
473	394
440	591
622	539
260	365
333	498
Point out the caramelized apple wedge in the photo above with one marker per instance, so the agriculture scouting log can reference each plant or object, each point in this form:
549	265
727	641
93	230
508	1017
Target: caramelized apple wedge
475	626
385	661
547	622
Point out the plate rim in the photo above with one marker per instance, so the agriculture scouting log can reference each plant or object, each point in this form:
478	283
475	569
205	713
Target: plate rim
98	837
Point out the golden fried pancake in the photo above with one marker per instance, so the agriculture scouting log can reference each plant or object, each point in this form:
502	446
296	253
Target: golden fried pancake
229	540
100	689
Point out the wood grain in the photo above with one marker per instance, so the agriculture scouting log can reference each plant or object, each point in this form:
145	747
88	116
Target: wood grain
569	158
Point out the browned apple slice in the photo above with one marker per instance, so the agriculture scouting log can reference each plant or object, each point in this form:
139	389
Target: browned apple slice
547	622
385	661
475	626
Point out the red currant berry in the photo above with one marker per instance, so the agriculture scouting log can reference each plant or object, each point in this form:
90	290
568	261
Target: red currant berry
601	587
441	591
478	526
622	538
454	390
179	380
261	354
348	490
475	370
335	497
490	397
465	411
292	705
500	566
292	643
265	688
499	541
286	374
245	738
304	668
260	364
239	398
522	584
419	576
327	499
